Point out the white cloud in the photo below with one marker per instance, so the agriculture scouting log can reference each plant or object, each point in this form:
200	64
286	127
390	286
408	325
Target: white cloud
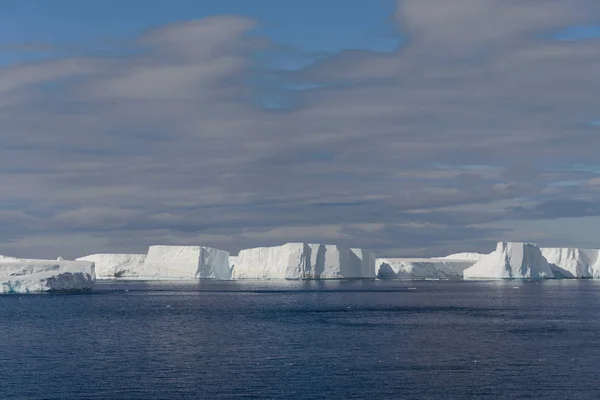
164	144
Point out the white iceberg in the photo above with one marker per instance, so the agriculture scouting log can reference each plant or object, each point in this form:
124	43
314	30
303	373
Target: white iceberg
232	262
421	268
337	262
277	262
573	262
463	256
185	262
111	266
8	258
511	260
304	261
31	276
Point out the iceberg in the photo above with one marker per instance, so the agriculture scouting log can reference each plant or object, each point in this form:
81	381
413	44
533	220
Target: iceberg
304	261
185	262
277	262
462	256
421	268
111	266
511	260
573	262
34	276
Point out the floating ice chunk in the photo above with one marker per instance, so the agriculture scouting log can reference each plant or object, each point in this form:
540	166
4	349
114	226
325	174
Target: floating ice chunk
110	266
337	262
280	262
573	262
30	276
421	268
304	261
511	260
186	262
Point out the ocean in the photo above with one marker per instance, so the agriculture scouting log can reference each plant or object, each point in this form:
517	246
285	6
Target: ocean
305	340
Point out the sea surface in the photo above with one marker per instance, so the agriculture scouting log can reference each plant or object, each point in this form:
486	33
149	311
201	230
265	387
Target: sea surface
305	340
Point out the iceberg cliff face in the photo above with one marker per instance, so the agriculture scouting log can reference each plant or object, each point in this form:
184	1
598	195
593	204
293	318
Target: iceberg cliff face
214	264
231	262
31	276
111	266
304	261
511	260
421	268
572	262
365	263
186	262
337	262
280	262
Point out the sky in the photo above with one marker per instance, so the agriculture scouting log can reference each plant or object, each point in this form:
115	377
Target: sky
410	127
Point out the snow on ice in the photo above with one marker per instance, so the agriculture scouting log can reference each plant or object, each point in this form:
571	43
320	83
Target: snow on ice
32	276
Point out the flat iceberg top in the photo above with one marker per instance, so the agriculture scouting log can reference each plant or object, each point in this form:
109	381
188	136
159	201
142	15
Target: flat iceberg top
430	260
33	276
24	266
462	256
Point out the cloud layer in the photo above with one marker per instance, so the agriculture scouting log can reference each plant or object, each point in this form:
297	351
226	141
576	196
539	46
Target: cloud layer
481	118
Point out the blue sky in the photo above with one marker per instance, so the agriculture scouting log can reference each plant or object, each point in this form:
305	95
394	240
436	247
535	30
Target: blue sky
310	26
411	128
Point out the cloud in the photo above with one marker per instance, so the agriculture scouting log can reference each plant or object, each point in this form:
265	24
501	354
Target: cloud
417	151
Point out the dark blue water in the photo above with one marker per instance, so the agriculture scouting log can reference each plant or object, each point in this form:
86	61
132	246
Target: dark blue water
305	340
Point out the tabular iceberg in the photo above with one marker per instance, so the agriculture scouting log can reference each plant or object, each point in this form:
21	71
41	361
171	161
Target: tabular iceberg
572	262
421	268
462	256
278	262
186	262
30	276
511	260
304	261
110	266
